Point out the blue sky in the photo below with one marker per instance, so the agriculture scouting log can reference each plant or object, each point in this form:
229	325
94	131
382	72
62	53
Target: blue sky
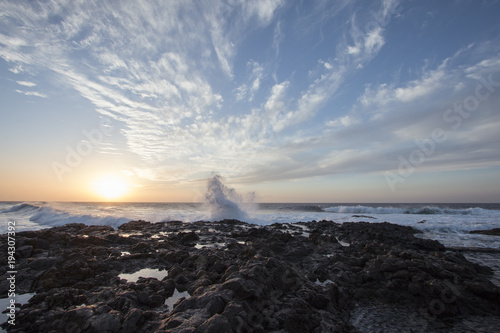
327	101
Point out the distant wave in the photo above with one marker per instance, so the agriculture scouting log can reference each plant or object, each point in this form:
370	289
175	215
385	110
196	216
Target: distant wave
20	207
427	210
304	208
50	217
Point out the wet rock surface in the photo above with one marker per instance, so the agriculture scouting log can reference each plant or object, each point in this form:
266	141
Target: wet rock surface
492	232
237	277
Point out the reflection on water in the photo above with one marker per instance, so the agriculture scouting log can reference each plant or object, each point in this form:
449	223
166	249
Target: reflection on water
145	273
5	302
174	298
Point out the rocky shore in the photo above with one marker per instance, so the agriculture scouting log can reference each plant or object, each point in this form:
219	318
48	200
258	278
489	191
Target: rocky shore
492	232
237	277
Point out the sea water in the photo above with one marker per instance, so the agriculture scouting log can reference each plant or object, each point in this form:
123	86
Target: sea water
448	223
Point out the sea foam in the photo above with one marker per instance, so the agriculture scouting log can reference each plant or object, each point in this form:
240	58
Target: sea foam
223	202
39	215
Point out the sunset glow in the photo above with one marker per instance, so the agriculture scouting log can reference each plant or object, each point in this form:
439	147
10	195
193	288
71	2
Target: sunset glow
111	187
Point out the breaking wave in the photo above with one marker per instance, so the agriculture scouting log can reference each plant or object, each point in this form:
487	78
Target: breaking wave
24	207
304	208
47	216
424	210
223	202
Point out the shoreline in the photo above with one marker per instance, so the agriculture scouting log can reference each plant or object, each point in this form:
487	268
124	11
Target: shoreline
289	277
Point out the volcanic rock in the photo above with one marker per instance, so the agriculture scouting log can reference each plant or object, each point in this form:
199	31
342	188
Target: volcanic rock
317	276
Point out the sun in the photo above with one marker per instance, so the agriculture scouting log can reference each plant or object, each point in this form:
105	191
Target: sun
111	187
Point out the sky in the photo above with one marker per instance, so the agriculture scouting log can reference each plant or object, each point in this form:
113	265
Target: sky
295	101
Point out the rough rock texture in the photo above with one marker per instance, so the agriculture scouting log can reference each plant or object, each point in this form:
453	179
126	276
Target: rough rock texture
492	232
298	277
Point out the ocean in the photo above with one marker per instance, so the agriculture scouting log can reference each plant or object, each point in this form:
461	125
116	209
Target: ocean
448	223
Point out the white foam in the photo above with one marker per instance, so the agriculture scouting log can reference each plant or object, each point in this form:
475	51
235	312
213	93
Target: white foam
54	217
449	224
223	202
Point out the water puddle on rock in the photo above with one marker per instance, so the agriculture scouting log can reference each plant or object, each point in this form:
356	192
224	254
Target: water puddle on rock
145	273
127	235
5	303
345	244
211	245
174	298
324	283
305	229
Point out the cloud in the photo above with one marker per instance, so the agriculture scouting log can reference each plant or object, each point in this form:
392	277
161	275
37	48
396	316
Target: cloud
344	121
264	9
247	90
374	40
32	93
26	83
275	106
365	39
278	37
315	97
226	35
357	142
164	72
143	65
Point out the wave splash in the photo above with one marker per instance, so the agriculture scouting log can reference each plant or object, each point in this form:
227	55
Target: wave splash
223	202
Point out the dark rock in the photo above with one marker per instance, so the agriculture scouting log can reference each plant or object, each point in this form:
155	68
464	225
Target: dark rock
214	302
133	321
267	278
77	320
217	323
106	323
491	232
134	225
188	238
142	247
93	230
24	251
242	288
120	303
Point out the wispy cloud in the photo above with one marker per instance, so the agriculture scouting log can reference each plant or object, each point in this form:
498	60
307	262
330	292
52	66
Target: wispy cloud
26	83
277	38
32	93
149	66
247	90
396	117
164	72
